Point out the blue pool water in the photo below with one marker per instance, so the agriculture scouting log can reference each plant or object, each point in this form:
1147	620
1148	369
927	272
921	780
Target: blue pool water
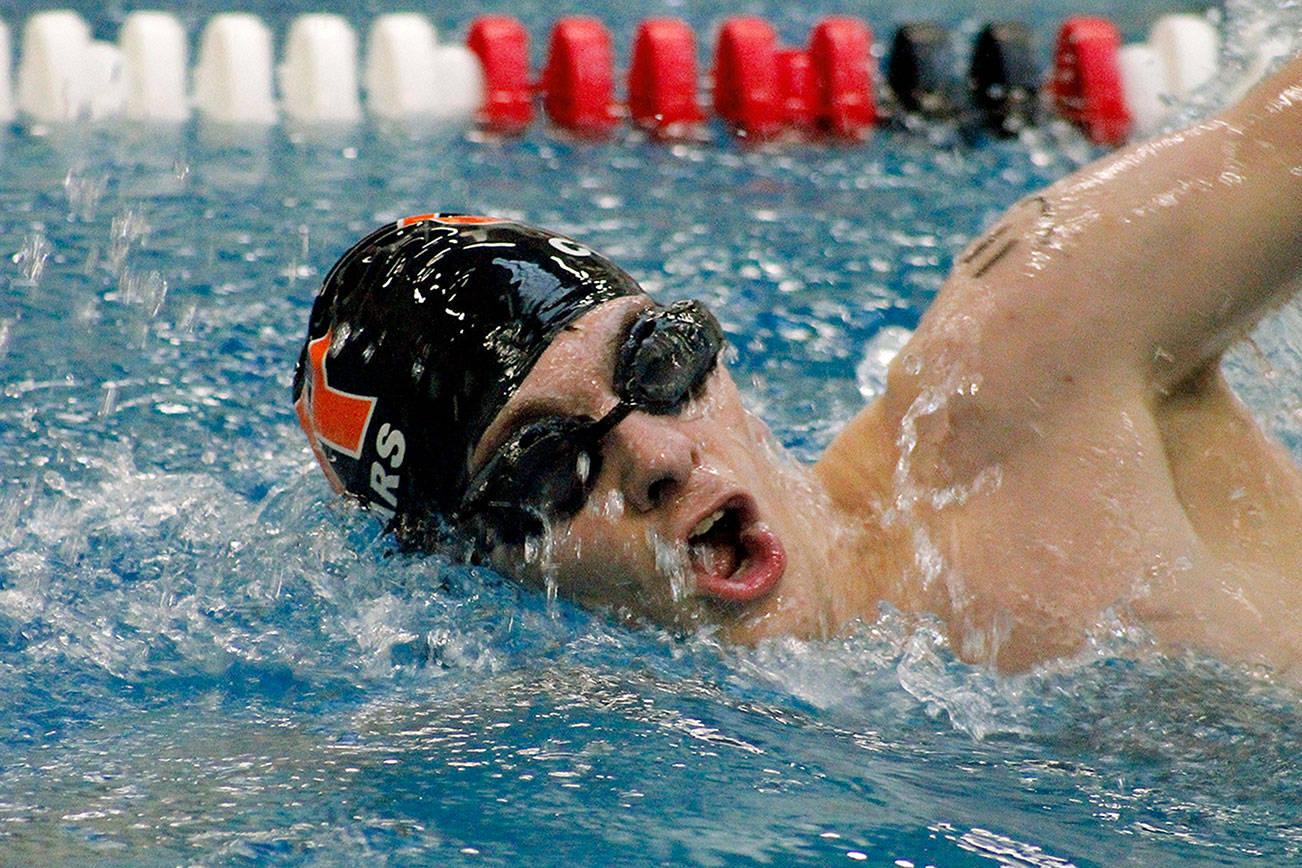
205	659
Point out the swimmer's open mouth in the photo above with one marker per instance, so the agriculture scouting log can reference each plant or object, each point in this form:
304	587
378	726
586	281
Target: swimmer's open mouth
734	557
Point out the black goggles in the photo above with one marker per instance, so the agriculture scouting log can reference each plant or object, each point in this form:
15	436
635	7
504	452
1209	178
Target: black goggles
548	467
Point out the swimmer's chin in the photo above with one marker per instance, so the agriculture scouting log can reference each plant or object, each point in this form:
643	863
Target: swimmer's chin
743	608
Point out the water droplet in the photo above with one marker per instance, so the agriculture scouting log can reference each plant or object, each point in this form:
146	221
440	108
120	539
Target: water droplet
110	399
83	194
149	292
125	230
31	258
672	562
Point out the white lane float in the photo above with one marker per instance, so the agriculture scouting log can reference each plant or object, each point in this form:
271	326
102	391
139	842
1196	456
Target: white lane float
318	74
155	64
232	78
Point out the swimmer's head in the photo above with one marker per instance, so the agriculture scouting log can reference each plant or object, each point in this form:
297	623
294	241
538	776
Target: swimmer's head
479	381
420	334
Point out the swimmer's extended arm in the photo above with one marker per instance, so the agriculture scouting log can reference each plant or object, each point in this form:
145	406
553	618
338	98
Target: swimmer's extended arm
1150	262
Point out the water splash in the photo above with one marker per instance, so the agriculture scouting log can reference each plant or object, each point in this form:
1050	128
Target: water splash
110	399
84	194
540	553
672	563
31	258
148	292
125	231
878	353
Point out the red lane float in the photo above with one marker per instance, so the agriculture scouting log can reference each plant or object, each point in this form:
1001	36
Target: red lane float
796	88
746	77
578	81
662	78
1086	81
502	45
841	50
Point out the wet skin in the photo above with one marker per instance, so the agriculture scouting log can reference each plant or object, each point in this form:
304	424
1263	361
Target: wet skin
1055	455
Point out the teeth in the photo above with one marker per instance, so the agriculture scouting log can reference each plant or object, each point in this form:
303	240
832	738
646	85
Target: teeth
707	523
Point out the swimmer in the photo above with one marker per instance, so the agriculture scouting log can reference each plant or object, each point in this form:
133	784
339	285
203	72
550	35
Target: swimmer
1056	452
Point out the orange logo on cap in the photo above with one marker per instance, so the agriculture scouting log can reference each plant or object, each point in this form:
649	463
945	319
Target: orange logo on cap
331	416
449	220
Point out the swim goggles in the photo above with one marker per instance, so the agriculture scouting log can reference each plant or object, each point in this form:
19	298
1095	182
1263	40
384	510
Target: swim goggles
546	470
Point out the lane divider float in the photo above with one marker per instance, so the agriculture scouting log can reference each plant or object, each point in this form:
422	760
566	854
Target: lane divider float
155	59
1004	78
919	72
1179	56
797	89
318	76
501	45
840	49
579	79
662	78
233	75
1086	81
409	75
745	92
757	87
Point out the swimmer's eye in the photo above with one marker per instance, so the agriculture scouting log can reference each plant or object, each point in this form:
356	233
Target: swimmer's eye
546	469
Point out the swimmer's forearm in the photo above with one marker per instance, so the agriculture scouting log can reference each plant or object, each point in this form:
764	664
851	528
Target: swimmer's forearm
1271	112
1236	251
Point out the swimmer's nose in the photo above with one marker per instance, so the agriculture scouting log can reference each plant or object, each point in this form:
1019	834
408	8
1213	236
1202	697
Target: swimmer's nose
651	457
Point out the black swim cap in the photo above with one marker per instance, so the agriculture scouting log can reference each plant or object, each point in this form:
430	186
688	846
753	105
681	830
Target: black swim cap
420	334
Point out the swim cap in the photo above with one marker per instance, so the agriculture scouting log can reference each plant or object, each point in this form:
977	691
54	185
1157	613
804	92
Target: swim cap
420	334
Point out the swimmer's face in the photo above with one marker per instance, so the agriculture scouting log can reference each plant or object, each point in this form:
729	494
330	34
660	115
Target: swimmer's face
691	518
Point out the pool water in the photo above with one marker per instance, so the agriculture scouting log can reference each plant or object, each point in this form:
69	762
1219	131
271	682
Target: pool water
206	659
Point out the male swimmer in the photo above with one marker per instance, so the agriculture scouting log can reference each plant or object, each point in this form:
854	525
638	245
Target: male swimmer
1055	450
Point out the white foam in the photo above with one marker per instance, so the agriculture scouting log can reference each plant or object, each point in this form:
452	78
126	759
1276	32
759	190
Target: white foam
879	351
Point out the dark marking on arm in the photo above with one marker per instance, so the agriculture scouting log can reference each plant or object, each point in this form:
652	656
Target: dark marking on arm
998	255
992	248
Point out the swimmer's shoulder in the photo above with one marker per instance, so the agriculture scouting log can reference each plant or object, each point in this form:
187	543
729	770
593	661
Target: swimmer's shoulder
857	466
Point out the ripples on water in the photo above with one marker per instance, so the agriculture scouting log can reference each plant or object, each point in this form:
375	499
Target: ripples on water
205	658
